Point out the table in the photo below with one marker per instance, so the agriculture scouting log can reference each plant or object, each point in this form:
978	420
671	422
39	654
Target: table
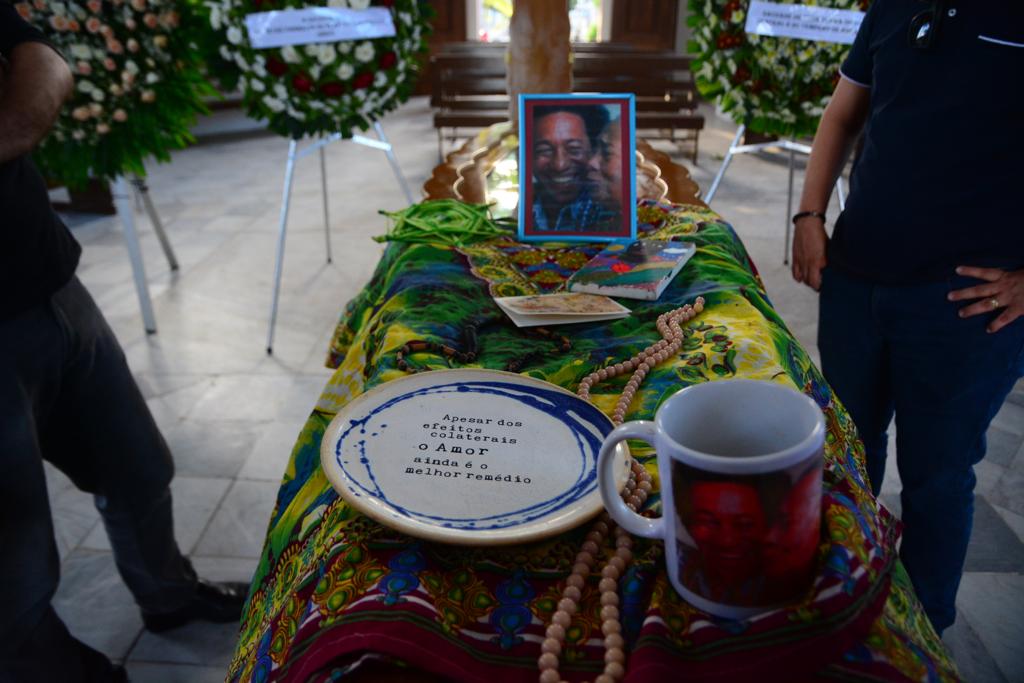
334	589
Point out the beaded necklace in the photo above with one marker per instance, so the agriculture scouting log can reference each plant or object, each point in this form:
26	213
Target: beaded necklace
637	488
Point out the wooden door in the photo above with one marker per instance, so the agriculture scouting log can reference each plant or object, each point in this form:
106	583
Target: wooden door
449	26
650	24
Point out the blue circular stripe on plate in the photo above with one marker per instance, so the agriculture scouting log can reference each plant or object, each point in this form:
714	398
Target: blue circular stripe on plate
580	417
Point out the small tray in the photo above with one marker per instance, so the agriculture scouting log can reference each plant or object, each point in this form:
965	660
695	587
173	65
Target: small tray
474	457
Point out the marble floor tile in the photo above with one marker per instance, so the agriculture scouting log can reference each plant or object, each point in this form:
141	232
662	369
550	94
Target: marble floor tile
148	672
194	501
271	453
238	527
212	447
96	605
225	568
991	604
1003	445
1014	520
198	643
73	512
994	547
972	658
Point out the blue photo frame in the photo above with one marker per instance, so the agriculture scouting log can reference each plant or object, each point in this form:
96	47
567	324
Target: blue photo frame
577	168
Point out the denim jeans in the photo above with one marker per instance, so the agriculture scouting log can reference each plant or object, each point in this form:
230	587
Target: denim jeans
67	396
904	350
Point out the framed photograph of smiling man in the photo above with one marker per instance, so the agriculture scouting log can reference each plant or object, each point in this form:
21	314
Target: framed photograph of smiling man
577	168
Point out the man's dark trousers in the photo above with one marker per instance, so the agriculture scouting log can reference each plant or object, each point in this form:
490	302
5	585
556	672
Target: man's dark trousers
903	349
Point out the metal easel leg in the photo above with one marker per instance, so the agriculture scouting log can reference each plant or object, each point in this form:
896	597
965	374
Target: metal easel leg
789	207
286	197
725	164
123	204
323	192
389	151
142	192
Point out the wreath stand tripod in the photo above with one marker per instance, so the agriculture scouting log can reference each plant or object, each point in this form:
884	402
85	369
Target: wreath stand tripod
790	146
294	153
122	203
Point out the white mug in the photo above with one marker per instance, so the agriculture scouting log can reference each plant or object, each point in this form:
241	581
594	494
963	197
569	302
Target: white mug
740	465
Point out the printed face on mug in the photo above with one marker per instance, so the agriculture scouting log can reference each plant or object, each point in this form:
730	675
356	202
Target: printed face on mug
740	464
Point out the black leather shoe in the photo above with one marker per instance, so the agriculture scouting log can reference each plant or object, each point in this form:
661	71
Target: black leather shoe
217	602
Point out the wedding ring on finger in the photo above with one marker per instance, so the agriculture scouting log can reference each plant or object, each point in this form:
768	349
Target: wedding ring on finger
994	303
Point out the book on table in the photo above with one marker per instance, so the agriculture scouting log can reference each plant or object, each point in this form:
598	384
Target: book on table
640	270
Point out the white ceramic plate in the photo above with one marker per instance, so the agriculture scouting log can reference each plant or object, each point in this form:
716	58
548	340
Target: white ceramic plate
474	457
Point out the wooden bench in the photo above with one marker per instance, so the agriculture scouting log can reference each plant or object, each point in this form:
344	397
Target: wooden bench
469	88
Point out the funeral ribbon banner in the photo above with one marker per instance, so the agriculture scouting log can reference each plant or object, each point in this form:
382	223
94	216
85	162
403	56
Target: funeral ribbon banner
317	25
803	21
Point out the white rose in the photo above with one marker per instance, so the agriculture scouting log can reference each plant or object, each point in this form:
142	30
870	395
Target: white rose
78	135
312	49
364	52
280	91
235	35
86	86
79	51
315	71
358	4
345	48
295	113
345	71
380	79
273	104
257	85
259	69
290	55
152	78
240	61
225	53
327	54
97	94
215	16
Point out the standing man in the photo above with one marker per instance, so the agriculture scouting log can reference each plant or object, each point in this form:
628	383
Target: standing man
922	281
67	396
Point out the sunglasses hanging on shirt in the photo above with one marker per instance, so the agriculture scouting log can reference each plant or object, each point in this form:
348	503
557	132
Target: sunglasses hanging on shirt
924	27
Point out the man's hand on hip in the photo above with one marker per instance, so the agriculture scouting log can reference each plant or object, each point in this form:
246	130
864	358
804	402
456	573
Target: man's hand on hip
1001	289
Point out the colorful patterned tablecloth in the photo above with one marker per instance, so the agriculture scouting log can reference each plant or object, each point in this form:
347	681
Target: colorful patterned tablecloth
332	586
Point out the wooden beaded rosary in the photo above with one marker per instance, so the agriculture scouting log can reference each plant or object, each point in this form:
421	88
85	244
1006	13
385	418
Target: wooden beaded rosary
638	487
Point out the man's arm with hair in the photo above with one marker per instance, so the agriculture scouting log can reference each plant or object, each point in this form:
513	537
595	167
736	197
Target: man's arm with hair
32	89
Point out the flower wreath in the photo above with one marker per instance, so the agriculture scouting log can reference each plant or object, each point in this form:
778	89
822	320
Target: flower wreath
324	88
775	86
137	85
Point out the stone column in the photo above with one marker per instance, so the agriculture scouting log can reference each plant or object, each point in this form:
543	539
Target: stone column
538	50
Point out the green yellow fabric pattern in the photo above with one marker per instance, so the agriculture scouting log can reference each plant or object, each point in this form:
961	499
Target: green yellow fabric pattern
332	585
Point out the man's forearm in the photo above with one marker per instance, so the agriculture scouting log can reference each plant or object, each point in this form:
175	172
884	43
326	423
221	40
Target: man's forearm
32	91
837	133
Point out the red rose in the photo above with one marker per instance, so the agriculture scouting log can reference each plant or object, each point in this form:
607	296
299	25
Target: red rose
388	60
276	67
333	89
362	81
302	82
389	3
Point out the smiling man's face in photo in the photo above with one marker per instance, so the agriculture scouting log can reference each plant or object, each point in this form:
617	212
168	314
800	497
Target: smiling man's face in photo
561	151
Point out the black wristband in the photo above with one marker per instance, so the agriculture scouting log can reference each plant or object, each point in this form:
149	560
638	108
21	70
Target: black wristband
805	214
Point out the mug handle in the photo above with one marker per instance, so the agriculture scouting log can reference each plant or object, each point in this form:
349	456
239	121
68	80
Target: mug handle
629	520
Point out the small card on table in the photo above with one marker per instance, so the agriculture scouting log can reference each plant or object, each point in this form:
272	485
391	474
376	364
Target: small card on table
560	309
